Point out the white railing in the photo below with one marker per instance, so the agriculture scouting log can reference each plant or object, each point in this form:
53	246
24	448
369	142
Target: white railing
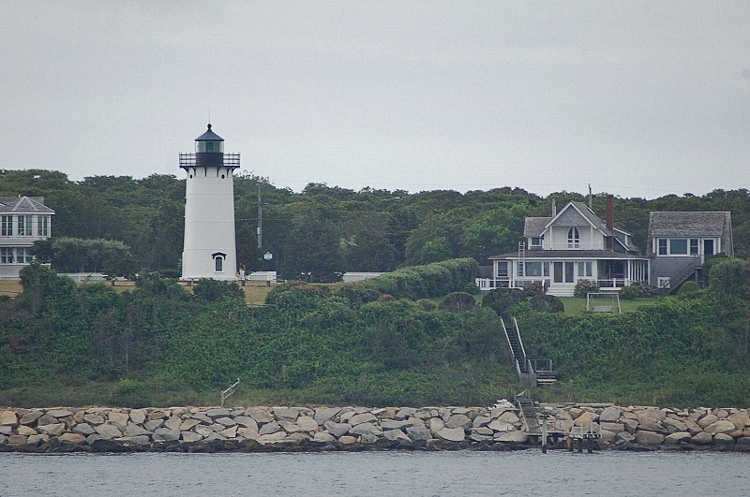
229	391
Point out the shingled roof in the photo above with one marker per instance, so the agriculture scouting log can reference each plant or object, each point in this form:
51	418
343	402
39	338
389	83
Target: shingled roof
698	224
24	205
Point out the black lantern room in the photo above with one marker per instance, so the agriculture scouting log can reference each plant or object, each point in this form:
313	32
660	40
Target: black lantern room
209	152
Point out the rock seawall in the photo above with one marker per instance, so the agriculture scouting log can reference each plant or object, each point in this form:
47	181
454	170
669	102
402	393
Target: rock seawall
209	429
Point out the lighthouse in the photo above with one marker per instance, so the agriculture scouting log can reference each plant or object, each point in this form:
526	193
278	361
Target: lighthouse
209	250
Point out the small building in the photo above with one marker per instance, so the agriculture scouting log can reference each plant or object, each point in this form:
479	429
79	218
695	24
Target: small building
571	245
23	220
679	243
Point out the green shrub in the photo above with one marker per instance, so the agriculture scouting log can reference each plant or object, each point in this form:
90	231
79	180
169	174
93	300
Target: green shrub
129	393
629	292
426	304
688	287
457	302
583	287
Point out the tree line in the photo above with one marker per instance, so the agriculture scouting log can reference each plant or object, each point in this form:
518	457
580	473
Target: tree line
319	233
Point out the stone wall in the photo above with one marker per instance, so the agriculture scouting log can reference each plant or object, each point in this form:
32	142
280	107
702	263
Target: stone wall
193	429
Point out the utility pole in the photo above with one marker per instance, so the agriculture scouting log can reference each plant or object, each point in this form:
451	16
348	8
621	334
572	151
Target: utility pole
260	220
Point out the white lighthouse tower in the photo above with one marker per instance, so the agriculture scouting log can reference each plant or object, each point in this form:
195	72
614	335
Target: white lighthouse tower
209	250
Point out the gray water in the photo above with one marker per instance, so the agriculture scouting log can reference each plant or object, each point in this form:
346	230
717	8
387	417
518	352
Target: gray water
521	473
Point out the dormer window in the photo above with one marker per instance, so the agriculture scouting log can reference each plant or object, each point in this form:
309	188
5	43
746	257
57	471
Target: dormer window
574	238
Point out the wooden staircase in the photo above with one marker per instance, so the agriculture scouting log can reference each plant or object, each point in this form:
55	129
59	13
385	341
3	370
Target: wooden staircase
531	372
528	413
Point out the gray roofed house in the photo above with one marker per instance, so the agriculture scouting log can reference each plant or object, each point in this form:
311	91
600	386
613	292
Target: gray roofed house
680	241
571	245
575	244
23	220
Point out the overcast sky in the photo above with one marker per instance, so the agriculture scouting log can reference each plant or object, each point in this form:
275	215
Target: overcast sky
638	99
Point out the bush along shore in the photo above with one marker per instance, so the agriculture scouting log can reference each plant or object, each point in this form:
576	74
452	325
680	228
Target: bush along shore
214	429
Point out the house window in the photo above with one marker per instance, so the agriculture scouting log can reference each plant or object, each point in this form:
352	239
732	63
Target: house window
42	226
693	246
533	269
536	242
219	264
662	246
502	269
24	255
574	238
678	246
708	247
663	281
585	269
6	255
24	226
6	226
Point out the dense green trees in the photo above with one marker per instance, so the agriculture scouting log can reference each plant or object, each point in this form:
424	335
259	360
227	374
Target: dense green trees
324	231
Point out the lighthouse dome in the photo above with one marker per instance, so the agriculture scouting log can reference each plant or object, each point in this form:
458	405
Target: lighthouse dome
209	142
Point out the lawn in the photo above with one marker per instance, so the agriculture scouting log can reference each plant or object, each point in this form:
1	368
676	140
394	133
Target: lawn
576	306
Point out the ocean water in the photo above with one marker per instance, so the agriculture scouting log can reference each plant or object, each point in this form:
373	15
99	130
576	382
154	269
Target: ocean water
387	473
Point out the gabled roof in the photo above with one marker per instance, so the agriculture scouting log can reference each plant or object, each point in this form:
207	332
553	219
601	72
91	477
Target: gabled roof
535	227
586	213
24	205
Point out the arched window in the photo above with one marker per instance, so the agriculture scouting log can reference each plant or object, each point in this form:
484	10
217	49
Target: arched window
574	238
219	261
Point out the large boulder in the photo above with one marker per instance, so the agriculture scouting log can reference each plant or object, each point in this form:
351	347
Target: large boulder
366	417
419	433
138	416
459	421
451	434
54	429
703	438
307	424
610	415
679	437
8	418
366	429
72	438
324	414
512	436
644	437
337	429
720	426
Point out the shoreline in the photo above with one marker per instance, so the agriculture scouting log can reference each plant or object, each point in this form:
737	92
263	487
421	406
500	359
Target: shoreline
318	429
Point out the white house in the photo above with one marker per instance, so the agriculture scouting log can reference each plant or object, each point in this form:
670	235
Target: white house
571	245
23	220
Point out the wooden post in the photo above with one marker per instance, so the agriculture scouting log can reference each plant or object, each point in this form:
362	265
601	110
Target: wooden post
544	435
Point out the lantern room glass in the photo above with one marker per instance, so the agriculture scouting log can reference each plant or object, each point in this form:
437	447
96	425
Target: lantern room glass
209	146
